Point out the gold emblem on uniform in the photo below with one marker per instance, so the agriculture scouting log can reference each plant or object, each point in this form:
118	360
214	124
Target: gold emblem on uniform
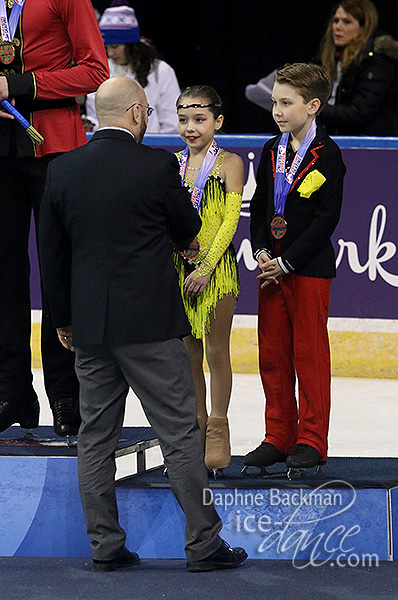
7	52
10	3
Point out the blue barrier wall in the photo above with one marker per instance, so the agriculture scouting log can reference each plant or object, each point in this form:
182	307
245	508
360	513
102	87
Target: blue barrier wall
365	239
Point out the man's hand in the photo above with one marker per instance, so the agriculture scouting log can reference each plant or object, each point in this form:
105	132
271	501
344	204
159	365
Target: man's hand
87	124
65	337
3	88
4	96
194	287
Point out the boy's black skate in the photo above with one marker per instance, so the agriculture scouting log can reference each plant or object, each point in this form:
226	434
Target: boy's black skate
264	456
301	458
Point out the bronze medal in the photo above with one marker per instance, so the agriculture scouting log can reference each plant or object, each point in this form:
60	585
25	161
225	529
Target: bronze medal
278	227
191	251
7	52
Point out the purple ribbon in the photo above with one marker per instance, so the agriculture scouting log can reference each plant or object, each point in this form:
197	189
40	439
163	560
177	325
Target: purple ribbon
205	169
282	183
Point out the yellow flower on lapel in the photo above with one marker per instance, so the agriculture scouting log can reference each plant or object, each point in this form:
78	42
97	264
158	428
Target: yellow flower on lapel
311	183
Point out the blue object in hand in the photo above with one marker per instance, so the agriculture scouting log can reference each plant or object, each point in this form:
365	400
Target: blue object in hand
30	130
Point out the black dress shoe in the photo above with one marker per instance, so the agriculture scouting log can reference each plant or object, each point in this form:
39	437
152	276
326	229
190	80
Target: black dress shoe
264	455
26	413
304	456
223	558
66	416
123	560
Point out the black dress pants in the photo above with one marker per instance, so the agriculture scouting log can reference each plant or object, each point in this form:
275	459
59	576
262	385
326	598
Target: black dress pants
21	189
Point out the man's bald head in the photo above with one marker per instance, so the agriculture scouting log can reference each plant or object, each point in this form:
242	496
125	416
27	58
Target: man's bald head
113	97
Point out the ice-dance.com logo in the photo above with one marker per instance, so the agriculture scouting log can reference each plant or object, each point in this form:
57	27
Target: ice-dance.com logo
290	523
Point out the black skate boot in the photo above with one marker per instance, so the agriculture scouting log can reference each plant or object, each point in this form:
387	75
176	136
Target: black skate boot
24	411
66	416
263	456
303	457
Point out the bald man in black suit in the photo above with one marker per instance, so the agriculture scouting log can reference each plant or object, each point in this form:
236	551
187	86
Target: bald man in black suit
109	211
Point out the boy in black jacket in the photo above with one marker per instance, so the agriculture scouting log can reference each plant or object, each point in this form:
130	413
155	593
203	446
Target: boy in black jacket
294	211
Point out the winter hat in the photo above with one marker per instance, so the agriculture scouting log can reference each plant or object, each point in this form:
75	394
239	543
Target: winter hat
119	25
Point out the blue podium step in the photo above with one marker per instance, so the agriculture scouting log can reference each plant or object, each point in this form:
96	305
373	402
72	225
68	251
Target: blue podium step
347	512
40	507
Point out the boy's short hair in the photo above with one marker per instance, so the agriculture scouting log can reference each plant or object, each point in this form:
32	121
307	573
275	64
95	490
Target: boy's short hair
310	80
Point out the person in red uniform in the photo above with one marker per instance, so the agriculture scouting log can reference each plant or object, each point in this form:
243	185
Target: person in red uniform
50	52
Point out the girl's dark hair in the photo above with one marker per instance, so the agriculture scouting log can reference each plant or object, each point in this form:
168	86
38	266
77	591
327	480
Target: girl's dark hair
141	55
204	92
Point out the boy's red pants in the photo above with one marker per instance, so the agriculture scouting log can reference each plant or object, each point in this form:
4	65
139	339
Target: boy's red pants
293	339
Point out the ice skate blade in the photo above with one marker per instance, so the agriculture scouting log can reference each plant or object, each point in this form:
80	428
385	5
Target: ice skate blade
261	471
297	473
264	473
30	436
215	473
32	439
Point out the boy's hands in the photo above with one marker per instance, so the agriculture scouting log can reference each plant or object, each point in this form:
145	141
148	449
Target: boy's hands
263	260
270	270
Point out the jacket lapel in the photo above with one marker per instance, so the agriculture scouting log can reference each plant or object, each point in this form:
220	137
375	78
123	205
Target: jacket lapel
308	162
310	158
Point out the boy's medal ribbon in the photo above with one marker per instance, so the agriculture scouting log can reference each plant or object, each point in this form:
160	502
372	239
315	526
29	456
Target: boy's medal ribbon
282	183
197	192
8	28
30	130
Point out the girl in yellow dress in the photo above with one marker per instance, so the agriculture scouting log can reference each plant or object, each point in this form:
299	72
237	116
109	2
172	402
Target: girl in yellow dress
207	271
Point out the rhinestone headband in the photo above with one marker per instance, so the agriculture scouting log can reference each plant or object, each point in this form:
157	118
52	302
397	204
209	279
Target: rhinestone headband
198	105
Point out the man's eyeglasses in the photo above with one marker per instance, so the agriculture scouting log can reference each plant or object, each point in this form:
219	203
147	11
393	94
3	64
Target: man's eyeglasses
149	109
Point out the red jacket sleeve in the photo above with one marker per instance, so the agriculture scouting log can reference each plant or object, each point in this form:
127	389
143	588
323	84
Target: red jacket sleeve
88	51
57	34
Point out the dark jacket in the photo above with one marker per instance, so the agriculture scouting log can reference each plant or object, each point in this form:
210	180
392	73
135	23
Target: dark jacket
367	96
306	245
108	212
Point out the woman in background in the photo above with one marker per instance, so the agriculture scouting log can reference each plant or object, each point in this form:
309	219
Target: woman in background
129	55
363	67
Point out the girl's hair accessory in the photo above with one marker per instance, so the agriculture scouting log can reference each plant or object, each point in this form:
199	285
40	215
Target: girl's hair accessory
198	105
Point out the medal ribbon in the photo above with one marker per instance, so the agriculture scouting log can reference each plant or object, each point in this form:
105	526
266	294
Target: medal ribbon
283	183
205	169
9	27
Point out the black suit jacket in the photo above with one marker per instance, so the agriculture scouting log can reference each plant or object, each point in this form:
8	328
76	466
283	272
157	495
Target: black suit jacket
306	246
108	213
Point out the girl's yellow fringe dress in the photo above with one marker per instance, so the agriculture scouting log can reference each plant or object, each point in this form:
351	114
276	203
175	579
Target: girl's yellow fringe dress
219	212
